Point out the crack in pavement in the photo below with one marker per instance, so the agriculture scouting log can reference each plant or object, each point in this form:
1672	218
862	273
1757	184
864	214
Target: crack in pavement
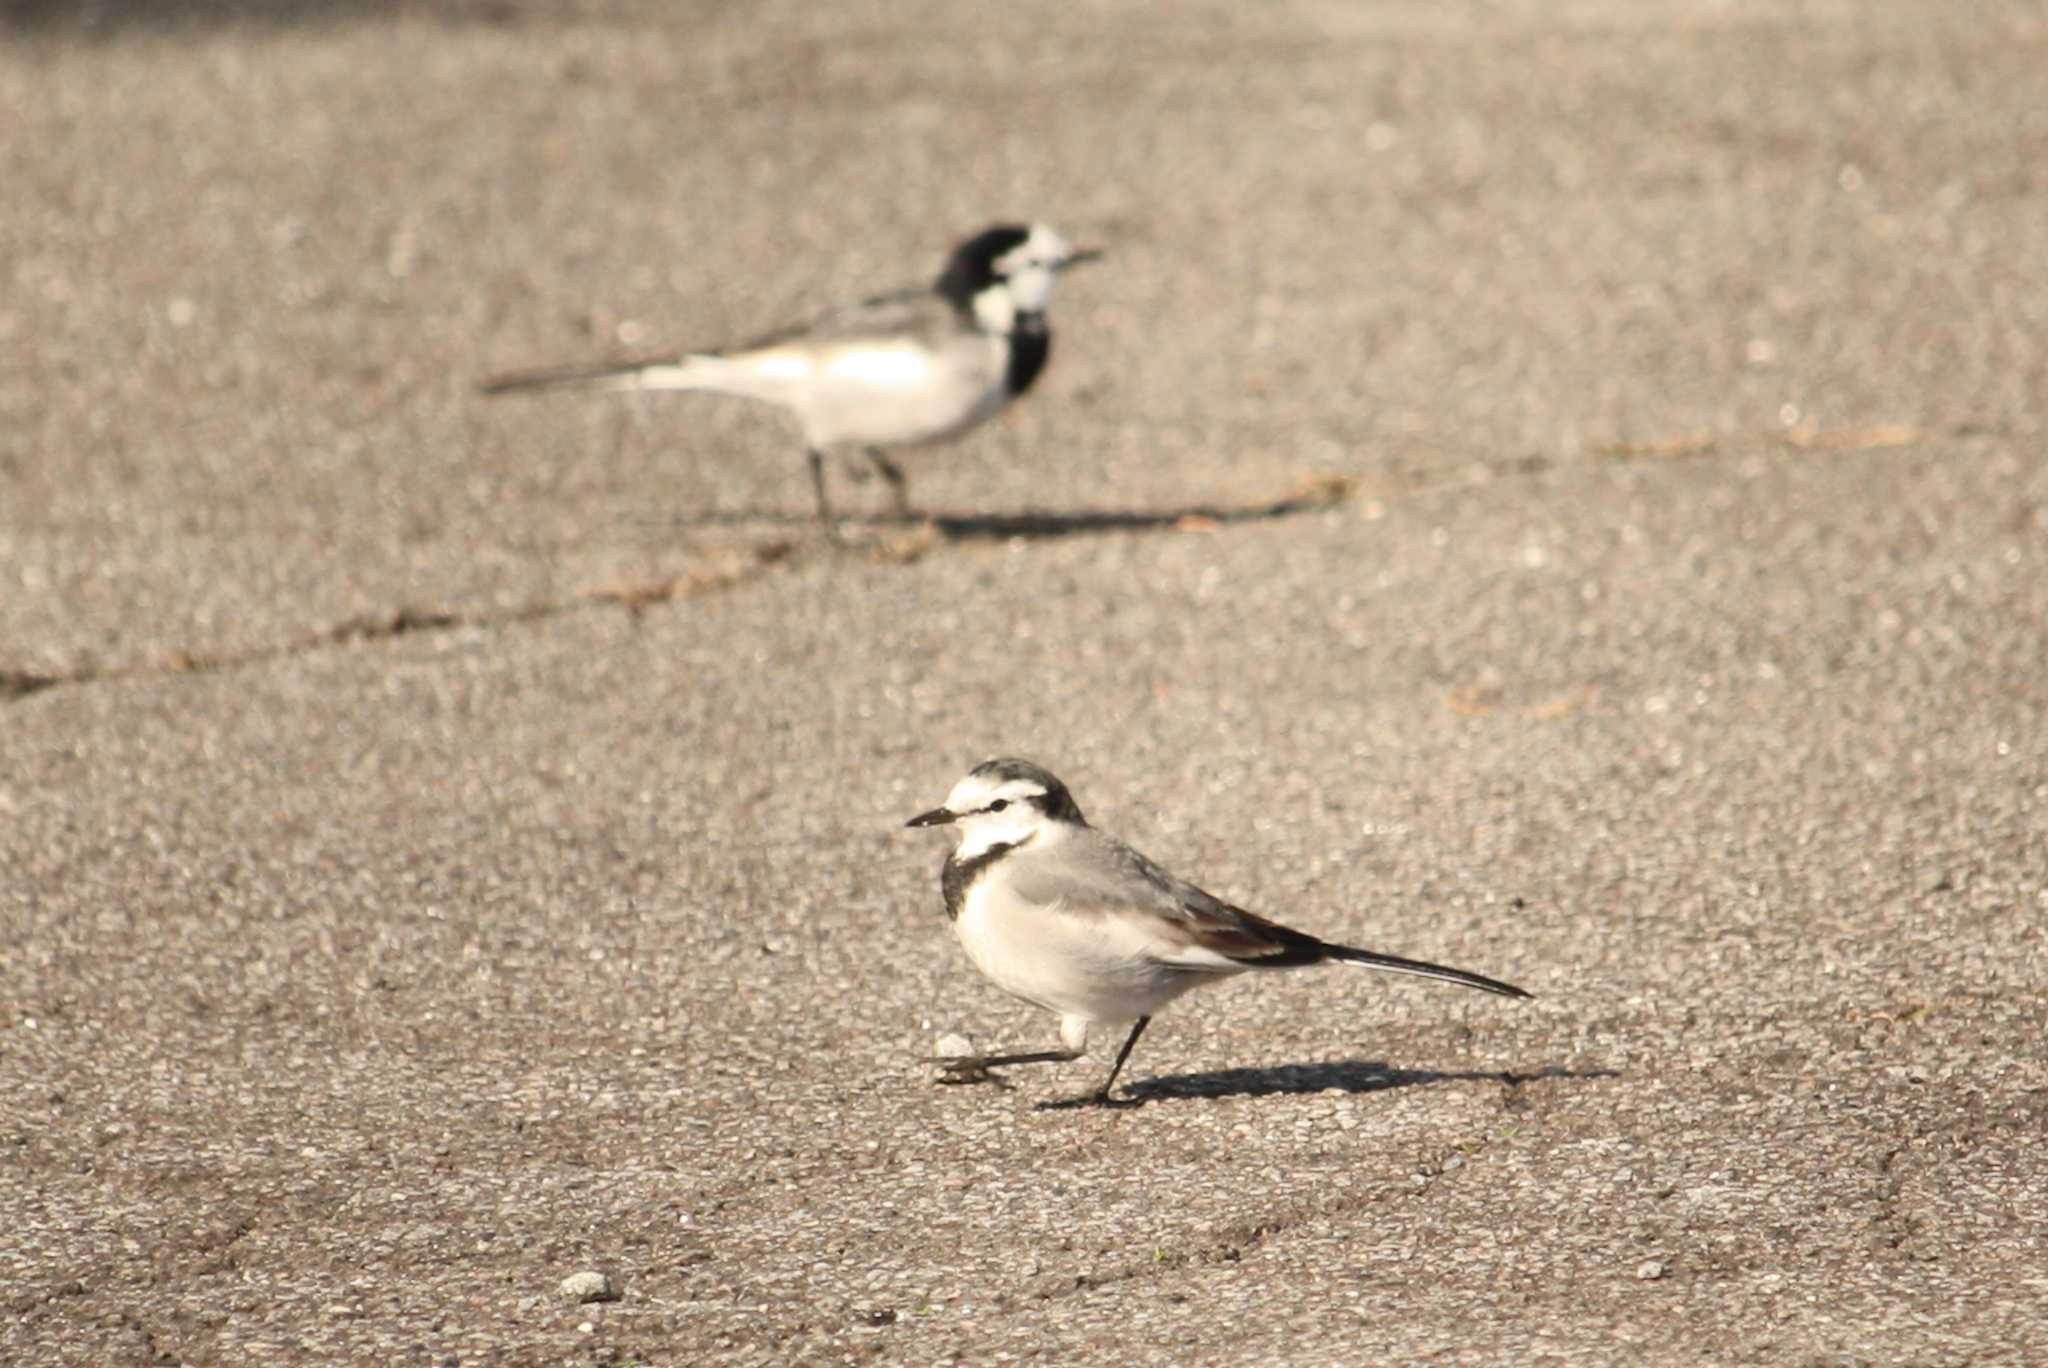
1317	496
16	685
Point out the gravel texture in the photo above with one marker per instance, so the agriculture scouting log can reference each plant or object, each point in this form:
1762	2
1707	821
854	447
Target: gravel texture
1553	488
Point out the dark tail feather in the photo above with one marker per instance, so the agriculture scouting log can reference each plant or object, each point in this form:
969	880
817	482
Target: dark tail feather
566	377
1394	963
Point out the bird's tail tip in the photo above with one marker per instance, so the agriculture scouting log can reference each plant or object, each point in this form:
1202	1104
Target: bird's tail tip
512	382
617	375
1371	959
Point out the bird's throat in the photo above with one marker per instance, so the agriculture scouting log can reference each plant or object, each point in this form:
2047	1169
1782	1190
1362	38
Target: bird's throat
959	875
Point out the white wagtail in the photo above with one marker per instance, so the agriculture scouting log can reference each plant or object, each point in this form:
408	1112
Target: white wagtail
1074	920
897	370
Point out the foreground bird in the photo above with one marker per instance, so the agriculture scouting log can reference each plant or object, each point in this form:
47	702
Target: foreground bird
897	370
1070	918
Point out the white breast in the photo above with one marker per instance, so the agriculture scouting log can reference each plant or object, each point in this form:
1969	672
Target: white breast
903	392
1078	962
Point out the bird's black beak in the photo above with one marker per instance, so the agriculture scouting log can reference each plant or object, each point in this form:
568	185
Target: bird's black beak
1081	257
936	817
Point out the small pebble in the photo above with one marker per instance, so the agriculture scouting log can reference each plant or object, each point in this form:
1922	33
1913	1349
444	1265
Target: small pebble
1650	1270
589	1286
952	1045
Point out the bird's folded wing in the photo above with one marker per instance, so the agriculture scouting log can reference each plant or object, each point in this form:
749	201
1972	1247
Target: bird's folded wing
911	312
1215	927
1189	927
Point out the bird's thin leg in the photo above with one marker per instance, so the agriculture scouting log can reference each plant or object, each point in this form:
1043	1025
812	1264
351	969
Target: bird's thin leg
1137	1029
1100	1097
975	1068
825	519
899	487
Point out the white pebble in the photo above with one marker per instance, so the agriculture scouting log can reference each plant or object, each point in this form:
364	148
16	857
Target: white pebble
589	1286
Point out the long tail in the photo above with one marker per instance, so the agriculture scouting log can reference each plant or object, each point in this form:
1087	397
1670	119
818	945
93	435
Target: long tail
1394	963
668	373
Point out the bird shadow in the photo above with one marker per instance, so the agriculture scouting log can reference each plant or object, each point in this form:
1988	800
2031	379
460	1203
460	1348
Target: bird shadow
1049	524
97	17
1346	1076
1042	523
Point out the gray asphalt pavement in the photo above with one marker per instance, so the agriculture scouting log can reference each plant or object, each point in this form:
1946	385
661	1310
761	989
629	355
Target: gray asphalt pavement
1556	489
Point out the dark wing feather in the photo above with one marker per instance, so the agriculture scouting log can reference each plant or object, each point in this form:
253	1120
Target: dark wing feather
1247	937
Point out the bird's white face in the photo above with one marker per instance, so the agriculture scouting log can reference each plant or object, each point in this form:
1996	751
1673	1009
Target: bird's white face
991	812
1028	268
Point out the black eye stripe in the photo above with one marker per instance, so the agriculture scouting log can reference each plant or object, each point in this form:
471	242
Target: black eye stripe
1030	800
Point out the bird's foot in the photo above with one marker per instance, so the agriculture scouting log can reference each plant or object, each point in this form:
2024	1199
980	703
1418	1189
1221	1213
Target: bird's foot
974	1068
959	1070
